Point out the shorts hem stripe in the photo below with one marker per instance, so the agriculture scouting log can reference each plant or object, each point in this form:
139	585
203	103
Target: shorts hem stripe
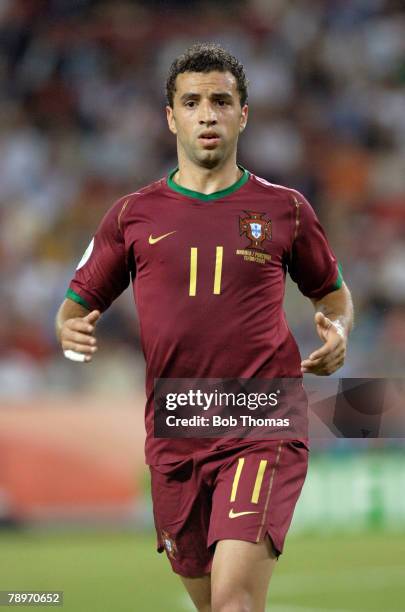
269	491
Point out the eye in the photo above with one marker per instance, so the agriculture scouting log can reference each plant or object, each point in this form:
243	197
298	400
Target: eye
190	104
221	102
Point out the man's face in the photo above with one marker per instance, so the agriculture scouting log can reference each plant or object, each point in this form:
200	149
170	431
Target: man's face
206	117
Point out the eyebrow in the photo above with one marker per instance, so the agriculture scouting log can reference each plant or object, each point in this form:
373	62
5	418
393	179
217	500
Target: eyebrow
216	95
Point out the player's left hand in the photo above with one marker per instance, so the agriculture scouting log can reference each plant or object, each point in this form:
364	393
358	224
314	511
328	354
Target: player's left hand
331	356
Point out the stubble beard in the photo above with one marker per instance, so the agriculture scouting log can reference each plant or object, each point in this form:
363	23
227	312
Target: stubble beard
209	158
210	162
205	158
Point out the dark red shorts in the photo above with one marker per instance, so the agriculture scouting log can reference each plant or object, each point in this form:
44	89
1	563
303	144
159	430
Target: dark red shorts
242	493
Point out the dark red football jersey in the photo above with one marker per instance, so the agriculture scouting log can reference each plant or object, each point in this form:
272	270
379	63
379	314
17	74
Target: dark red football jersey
208	275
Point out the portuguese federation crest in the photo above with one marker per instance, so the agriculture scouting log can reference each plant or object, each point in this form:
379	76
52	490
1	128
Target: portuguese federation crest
256	228
169	544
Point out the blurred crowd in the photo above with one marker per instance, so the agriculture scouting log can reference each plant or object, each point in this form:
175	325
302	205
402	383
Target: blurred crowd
82	123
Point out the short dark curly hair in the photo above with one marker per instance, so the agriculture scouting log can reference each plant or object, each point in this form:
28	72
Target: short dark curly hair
205	57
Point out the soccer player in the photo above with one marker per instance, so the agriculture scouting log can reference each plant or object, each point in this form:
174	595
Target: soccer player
207	249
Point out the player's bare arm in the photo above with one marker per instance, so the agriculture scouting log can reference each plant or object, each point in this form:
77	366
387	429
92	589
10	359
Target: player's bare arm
75	327
333	321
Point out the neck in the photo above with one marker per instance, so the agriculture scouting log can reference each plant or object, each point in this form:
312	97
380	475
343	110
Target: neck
207	180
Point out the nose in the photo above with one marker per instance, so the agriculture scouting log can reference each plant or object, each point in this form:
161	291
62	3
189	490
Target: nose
207	114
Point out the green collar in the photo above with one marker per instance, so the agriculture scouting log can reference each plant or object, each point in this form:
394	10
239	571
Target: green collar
210	196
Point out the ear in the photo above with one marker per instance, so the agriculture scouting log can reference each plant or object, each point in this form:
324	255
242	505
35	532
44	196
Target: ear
171	121
243	118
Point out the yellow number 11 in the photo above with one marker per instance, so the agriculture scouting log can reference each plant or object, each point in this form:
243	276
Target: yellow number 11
193	270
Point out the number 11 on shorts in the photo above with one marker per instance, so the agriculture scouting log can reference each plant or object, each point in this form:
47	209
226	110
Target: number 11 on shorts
258	482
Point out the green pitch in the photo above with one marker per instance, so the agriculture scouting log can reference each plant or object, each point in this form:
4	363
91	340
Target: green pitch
123	573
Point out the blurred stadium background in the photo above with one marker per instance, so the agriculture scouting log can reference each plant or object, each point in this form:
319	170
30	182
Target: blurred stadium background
82	122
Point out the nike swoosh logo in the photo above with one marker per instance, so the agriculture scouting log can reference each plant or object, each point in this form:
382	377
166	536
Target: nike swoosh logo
155	240
233	514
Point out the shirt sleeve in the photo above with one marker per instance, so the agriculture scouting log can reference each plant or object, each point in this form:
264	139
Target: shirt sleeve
312	264
104	271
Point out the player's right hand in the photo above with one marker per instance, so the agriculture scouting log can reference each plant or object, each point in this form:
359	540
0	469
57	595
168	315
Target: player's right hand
78	334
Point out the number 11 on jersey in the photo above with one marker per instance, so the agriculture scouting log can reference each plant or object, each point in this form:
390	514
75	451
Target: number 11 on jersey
217	273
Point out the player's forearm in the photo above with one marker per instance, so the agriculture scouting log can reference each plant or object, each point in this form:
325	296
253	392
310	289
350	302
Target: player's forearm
75	327
68	310
338	307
